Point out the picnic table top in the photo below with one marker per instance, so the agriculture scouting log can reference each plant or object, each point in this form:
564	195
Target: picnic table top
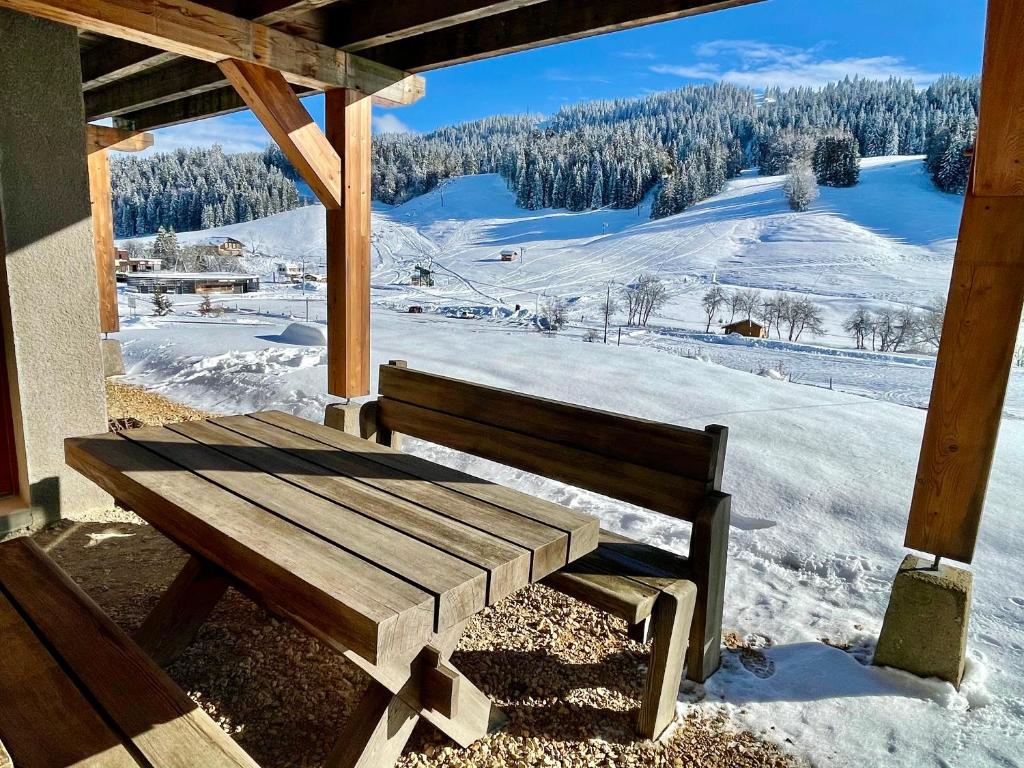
367	547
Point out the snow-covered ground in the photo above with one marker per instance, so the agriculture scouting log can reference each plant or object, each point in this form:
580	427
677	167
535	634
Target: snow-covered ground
821	479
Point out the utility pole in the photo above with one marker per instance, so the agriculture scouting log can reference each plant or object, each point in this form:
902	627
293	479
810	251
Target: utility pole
607	303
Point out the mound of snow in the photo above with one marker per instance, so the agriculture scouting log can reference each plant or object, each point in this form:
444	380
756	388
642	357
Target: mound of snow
304	334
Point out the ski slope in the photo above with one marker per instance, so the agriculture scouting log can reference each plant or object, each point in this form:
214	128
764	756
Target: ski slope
889	240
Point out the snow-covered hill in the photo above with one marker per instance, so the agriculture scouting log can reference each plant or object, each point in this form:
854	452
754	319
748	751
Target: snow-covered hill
820	500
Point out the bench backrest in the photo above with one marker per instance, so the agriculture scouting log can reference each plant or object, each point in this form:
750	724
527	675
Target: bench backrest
661	467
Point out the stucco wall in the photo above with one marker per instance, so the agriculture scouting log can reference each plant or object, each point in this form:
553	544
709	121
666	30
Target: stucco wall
52	310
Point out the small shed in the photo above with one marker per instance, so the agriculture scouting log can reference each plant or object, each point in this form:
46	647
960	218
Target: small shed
508	255
746	328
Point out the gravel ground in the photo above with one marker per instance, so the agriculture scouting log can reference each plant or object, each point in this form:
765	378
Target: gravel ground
566	676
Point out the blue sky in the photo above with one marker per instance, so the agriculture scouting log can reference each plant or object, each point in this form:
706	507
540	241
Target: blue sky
777	42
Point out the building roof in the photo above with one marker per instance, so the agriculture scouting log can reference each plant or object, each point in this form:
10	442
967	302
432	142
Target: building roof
745	323
143	88
217	240
191	276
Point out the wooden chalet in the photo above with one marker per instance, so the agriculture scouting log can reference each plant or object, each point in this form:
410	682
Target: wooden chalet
148	64
745	328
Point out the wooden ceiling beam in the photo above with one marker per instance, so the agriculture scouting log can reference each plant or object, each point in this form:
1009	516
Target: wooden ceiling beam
176	80
197	31
367	23
554	21
118	59
220	101
290	125
100	137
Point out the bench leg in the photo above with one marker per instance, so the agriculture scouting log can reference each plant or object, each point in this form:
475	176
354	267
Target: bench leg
173	624
709	551
638	632
376	732
670	628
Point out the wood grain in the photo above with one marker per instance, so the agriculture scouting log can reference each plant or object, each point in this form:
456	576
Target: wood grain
309	465
348	126
463	519
971	372
340	596
38	698
581	528
534	26
200	32
247	468
999	150
163	725
290	125
686	452
98	137
101	205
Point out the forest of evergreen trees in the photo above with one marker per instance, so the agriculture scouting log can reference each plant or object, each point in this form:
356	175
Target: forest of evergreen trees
682	144
199	188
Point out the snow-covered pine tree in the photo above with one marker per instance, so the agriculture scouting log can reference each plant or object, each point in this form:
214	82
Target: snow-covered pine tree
801	187
836	161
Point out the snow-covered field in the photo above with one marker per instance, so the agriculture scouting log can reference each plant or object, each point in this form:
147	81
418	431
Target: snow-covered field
821	479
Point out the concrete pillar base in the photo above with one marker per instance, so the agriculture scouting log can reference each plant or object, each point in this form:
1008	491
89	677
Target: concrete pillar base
113	360
925	626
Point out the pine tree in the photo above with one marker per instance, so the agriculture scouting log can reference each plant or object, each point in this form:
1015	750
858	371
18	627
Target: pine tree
161	302
836	162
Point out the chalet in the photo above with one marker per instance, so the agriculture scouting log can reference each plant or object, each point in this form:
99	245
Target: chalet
508	255
220	246
126	264
192	282
288	272
746	328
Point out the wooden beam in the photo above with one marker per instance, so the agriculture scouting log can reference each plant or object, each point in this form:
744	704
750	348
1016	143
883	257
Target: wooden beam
290	125
554	21
190	29
348	116
169	82
999	152
357	25
983	312
103	238
118	59
971	371
99	137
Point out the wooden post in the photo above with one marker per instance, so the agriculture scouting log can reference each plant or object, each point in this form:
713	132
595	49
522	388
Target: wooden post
986	294
348	247
103	238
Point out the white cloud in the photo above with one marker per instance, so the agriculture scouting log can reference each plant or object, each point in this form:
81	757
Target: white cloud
232	133
388	122
758	65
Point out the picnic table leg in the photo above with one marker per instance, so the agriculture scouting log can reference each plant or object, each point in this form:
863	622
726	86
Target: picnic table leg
376	732
173	624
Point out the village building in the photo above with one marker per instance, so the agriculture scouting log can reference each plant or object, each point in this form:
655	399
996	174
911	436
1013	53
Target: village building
746	328
220	246
126	264
192	282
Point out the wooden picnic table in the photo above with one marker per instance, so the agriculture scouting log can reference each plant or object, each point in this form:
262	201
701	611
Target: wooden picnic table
381	555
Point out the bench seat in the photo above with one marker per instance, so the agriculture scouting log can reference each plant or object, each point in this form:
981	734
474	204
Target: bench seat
76	690
671	470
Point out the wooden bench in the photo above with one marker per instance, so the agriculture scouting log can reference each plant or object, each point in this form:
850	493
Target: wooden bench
675	601
75	690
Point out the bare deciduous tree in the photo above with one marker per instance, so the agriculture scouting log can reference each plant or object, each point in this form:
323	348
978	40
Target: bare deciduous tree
712	301
859	325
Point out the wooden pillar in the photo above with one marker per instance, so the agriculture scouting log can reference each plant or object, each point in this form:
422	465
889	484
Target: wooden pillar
348	115
983	312
103	237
